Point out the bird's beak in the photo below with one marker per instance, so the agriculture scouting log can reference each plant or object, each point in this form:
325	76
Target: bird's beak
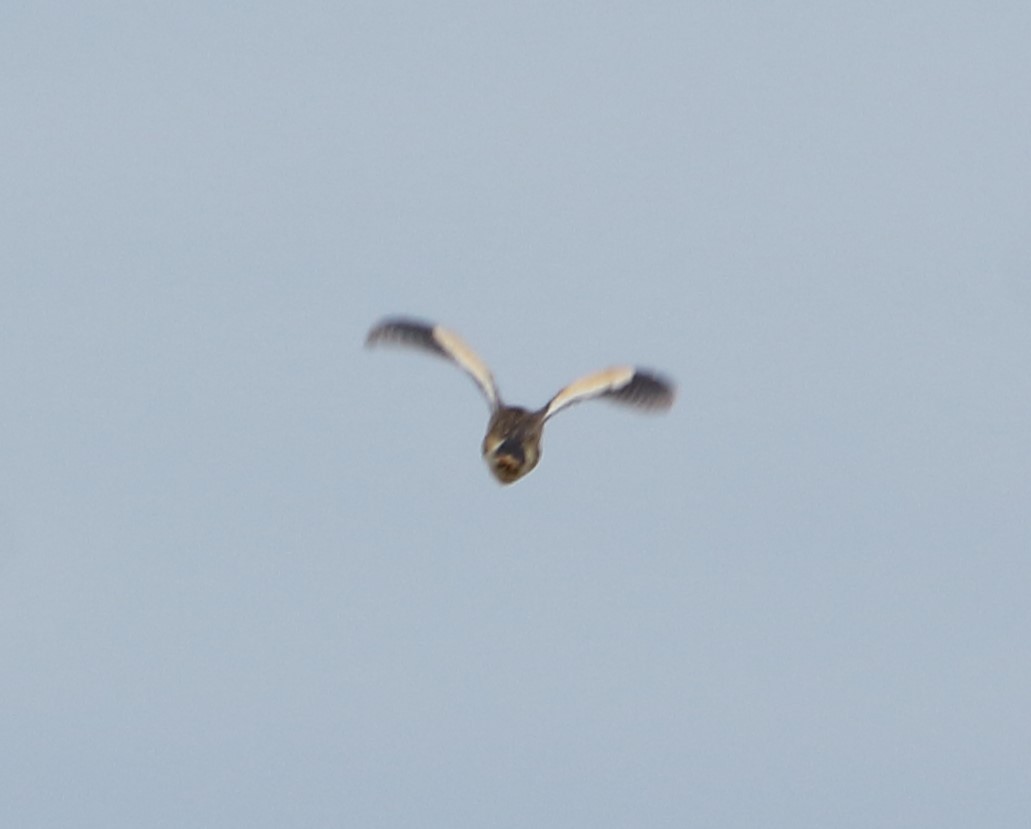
508	461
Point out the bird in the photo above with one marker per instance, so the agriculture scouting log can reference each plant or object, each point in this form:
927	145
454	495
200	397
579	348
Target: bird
512	445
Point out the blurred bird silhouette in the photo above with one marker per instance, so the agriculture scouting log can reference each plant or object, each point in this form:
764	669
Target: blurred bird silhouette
512	445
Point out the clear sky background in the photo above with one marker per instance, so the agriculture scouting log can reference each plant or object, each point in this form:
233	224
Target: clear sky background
252	574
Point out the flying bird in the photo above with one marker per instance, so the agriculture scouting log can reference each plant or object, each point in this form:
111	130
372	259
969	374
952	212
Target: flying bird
512	445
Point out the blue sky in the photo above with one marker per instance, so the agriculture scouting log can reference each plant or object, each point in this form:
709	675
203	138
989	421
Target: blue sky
252	574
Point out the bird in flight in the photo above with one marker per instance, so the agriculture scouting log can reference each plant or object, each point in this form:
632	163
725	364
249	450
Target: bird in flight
512	445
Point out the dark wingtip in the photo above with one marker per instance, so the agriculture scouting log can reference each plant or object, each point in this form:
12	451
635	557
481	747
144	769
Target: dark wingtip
403	331
648	390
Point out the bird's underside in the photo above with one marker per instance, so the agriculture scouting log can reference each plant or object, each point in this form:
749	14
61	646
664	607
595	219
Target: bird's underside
512	445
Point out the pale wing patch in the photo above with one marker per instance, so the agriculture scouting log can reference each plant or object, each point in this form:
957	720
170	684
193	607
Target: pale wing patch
622	384
469	360
439	341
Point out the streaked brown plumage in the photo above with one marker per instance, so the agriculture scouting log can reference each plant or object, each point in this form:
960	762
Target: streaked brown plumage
512	445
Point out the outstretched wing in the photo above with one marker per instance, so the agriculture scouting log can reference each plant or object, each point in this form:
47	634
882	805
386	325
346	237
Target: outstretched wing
622	384
439	341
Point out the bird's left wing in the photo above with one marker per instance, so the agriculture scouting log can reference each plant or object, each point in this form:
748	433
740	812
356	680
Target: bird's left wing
621	384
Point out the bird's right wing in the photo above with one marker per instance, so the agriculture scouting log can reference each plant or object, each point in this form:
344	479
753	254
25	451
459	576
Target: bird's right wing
439	341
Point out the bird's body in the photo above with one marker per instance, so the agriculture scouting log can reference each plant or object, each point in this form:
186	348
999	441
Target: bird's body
512	445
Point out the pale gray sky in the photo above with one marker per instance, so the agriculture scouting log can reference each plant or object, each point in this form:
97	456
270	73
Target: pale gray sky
253	575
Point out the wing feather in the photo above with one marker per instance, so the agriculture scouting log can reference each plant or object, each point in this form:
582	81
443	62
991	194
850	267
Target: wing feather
436	340
621	384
